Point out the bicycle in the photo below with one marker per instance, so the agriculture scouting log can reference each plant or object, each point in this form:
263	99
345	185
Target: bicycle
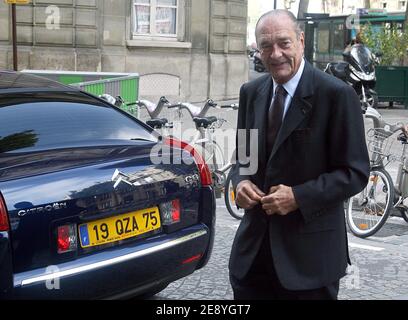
368	211
229	190
153	110
161	124
204	141
212	153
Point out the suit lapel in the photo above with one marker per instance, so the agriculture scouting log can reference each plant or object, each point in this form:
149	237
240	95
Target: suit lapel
261	105
299	107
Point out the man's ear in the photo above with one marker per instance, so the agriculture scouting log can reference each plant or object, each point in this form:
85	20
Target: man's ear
302	39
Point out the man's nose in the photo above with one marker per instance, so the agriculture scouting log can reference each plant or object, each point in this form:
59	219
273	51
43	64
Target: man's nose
276	53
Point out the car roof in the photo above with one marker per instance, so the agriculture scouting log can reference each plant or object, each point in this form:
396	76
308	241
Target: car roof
11	81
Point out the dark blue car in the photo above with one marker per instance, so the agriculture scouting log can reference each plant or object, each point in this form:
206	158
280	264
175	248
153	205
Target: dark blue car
93	202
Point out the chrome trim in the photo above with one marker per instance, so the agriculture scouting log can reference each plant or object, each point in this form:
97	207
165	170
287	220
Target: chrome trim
361	75
21	281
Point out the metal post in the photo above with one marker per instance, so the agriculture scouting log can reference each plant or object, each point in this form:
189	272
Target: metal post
275	4
14	30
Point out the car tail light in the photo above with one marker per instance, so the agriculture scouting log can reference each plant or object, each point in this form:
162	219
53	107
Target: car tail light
192	259
205	173
170	212
4	223
67	238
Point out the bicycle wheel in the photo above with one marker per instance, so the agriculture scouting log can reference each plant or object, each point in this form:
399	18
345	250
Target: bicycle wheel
214	158
212	155
229	196
368	210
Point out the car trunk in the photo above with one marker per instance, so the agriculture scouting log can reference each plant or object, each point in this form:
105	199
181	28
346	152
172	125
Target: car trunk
108	196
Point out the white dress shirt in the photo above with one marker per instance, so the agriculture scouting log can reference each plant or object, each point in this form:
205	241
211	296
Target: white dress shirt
290	87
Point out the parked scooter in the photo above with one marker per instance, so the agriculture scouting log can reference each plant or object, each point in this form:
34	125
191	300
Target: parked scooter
358	70
258	65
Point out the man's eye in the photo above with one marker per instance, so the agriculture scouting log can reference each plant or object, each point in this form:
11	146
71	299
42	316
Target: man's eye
285	44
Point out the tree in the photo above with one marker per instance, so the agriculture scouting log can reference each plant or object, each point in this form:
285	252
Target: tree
288	4
325	6
303	6
391	42
367	4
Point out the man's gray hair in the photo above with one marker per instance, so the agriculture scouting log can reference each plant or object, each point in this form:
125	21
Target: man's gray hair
278	12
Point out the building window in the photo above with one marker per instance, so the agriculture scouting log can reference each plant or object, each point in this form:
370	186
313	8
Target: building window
155	18
339	37
323	38
384	5
401	5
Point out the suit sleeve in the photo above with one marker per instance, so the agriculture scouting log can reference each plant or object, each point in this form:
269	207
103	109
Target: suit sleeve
348	159
237	175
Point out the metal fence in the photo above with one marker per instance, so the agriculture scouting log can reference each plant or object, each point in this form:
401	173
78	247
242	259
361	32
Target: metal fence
127	87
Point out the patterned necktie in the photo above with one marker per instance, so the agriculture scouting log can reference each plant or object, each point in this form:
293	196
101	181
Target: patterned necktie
275	116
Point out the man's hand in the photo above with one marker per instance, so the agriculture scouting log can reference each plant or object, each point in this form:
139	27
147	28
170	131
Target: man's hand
248	195
280	200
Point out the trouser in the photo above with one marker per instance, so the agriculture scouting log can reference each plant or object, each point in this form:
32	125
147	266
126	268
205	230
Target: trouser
262	282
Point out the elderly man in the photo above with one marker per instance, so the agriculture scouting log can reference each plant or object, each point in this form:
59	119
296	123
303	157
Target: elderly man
292	241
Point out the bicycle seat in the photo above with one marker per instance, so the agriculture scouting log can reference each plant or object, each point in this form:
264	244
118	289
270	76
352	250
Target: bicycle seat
204	122
157	123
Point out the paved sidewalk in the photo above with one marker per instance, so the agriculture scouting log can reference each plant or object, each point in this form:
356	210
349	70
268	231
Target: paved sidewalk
379	269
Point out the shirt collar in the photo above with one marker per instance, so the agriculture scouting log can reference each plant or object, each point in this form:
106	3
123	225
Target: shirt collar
292	84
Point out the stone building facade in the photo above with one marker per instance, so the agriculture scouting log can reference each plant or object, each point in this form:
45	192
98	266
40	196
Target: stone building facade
186	49
339	7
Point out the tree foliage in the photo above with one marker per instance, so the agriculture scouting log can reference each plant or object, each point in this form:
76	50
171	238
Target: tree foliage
303	6
390	41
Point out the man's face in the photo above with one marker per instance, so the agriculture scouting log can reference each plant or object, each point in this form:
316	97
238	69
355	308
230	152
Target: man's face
281	49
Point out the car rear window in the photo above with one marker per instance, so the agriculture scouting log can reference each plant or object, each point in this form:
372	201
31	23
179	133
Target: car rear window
42	124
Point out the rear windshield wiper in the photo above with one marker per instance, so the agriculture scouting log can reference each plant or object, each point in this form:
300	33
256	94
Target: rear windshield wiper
141	139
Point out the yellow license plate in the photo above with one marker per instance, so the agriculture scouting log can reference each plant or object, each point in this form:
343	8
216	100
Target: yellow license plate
119	227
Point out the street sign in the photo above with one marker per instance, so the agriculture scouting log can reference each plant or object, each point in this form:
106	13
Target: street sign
17	1
374	12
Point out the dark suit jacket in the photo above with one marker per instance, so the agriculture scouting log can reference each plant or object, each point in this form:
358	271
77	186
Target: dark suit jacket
321	153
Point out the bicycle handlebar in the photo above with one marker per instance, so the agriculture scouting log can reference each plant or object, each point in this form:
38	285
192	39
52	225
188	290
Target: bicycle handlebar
211	103
172	106
143	103
153	109
233	106
194	111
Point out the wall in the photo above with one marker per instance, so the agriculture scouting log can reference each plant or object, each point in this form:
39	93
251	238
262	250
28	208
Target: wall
208	60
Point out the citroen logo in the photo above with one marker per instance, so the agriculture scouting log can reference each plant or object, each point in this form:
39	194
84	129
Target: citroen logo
119	177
